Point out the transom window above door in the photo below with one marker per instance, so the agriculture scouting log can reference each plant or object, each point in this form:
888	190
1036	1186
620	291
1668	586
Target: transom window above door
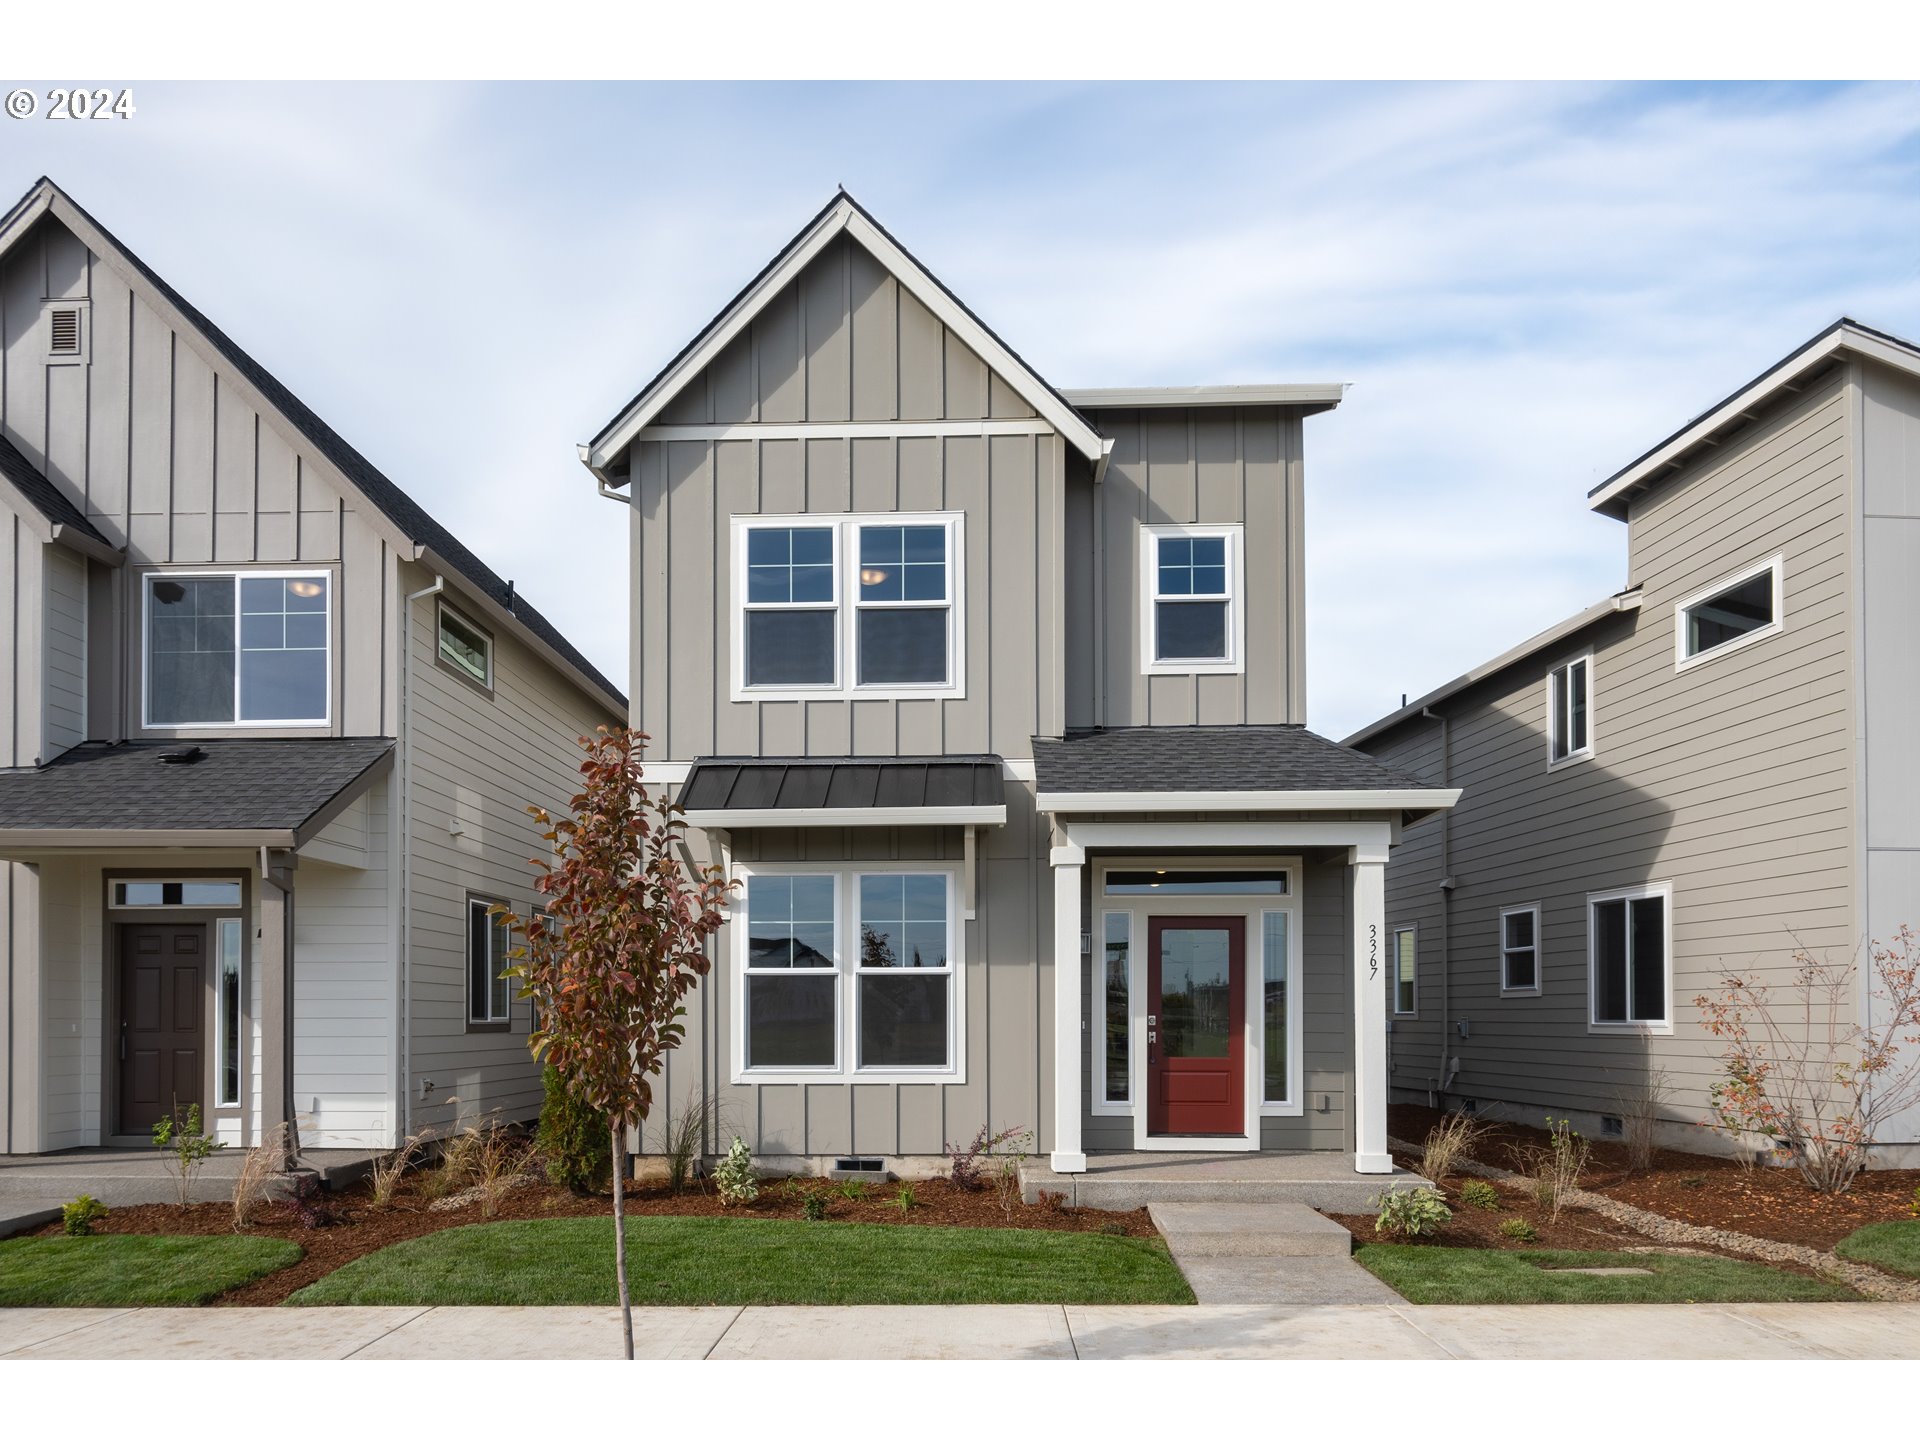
247	648
867	606
1190	585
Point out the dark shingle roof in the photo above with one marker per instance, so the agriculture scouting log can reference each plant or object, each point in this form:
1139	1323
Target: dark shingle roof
395	503
46	497
1173	758
237	785
935	781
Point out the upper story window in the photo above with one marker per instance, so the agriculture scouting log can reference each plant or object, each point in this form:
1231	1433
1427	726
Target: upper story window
1732	613
249	648
861	606
466	648
1191	616
1569	707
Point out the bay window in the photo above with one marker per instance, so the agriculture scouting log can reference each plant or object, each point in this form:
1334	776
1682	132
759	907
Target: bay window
861	606
853	972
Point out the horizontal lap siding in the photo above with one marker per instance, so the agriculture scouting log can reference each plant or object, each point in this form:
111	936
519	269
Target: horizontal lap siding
474	764
66	652
846	343
1731	781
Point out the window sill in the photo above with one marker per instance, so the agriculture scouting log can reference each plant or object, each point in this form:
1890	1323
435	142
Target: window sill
849	1077
1566	760
1193	667
489	1027
1630	1027
1282	1109
1532	993
747	695
1684	663
480	687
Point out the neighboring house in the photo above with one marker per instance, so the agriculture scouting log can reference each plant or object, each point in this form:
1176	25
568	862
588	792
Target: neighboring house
1704	772
270	733
991	696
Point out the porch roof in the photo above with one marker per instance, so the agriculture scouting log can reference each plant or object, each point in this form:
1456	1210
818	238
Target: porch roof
1220	767
208	792
736	792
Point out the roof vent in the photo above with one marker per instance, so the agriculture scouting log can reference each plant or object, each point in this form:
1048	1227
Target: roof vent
66	330
192	755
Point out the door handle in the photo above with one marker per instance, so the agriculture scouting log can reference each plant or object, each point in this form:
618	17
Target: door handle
1153	1038
123	1040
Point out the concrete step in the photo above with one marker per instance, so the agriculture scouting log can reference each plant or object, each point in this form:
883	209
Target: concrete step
1206	1229
1283	1280
1323	1188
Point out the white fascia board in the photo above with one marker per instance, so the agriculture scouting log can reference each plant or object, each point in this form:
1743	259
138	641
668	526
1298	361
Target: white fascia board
816	819
1533	645
848	430
1060	802
1148	397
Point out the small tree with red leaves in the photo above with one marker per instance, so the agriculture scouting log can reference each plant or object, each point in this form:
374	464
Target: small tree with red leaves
1800	1070
621	940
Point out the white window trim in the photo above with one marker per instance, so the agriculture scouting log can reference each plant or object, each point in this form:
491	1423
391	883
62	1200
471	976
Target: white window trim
441	611
846	606
1252	907
482	904
1684	661
1149	573
1500	941
147	582
1097	1026
1585	752
1393	998
1595	1026
846	972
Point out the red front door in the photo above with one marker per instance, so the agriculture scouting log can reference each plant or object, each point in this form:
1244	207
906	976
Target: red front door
1196	1035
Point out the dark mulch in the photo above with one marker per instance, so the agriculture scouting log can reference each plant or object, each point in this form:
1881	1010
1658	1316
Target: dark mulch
364	1230
1771	1203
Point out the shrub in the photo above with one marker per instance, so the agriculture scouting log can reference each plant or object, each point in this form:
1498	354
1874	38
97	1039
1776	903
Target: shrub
502	1161
77	1215
685	1137
1006	1175
1113	1227
733	1177
1913	1205
573	1139
258	1169
311	1205
1553	1173
903	1198
966	1163
1640	1107
852	1188
1518	1229
1053	1201
1446	1143
1802	1071
1410	1213
814	1207
1480	1195
385	1173
187	1146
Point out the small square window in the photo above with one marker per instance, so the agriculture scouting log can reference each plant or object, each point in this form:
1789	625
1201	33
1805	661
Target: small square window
466	648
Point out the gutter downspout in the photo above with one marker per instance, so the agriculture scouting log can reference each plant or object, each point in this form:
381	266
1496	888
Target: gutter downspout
1444	1080
403	775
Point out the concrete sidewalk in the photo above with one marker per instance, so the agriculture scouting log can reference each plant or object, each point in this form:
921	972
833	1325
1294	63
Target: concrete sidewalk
980	1332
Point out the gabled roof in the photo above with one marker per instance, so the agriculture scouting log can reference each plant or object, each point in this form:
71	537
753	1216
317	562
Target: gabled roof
1787	376
841	214
433	542
49	500
1546	639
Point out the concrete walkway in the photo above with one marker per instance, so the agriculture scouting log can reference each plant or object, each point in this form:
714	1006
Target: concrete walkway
981	1332
1275	1253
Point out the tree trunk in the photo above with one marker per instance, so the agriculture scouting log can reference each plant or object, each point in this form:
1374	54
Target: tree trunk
620	1229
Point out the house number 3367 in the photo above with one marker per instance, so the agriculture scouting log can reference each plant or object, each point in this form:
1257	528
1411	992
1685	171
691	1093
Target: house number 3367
1373	952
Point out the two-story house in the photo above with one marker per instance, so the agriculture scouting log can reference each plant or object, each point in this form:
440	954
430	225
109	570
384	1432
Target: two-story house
269	735
992	696
1706	772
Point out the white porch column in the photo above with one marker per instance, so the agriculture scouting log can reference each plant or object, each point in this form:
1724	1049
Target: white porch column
1069	1060
1371	965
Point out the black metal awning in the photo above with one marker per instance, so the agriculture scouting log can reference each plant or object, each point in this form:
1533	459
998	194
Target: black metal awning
730	792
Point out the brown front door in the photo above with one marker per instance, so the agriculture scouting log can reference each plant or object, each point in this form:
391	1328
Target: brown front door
1196	1007
162	1000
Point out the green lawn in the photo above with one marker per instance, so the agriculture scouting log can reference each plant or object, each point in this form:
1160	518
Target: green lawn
1436	1275
134	1269
1894	1246
684	1261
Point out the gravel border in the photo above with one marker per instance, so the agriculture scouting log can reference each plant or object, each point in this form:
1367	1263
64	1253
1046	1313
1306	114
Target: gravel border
1864	1278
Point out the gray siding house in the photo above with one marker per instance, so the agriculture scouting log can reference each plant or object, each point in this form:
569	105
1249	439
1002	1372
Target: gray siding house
270	732
1705	772
992	697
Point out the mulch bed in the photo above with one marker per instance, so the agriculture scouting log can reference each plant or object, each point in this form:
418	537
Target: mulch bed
1772	1203
364	1229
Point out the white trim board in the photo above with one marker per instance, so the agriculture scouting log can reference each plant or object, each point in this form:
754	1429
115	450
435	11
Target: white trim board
843	214
853	430
1070	802
847	817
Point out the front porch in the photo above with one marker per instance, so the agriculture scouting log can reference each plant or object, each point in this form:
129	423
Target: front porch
1320	1179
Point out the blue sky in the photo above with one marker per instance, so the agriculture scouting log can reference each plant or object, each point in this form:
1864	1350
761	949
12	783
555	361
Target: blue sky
1526	285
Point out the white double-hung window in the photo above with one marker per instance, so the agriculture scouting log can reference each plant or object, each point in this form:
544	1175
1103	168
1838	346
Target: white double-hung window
849	971
247	648
1191	616
1570	711
864	606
